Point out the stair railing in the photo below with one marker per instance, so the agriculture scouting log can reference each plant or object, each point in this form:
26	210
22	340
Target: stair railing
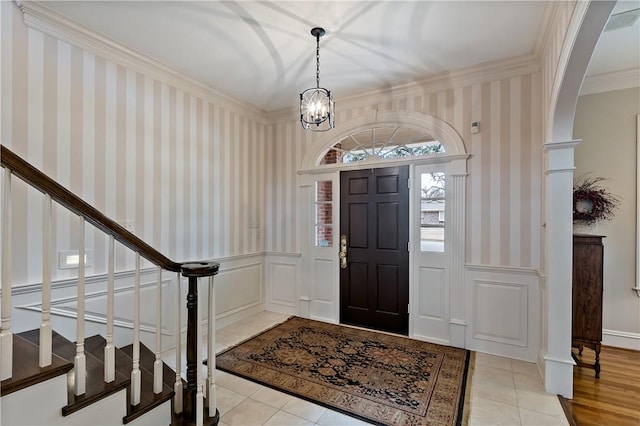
188	401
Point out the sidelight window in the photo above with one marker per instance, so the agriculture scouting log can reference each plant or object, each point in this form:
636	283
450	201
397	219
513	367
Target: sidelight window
432	211
324	214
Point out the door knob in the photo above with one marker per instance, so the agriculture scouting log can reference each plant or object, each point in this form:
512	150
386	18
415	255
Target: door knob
343	251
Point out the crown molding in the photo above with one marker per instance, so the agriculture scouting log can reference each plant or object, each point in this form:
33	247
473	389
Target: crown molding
551	9
39	17
610	81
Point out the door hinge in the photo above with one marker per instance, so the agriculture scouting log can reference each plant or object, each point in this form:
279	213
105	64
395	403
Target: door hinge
409	183
409	309
408	245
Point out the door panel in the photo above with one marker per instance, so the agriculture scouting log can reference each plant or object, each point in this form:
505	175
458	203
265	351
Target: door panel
387	235
374	215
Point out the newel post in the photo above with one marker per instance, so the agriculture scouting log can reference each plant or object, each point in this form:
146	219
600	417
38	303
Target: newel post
192	408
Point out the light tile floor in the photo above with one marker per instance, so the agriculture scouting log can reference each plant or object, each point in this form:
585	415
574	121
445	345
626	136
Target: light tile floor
503	391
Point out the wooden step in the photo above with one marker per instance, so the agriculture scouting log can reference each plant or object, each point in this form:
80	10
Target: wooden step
147	358
96	388
148	399
26	370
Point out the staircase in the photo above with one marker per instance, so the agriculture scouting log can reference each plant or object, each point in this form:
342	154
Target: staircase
48	379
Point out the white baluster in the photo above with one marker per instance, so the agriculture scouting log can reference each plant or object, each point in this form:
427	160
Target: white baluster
80	360
45	326
109	348
177	387
157	365
211	352
6	336
199	384
135	373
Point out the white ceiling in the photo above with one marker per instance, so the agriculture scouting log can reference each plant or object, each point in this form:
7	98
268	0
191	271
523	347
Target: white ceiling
262	52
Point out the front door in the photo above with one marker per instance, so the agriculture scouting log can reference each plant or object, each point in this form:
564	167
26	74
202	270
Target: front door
374	236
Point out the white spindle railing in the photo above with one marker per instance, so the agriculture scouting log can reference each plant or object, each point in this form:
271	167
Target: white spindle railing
80	360
211	352
45	326
6	336
157	365
205	381
177	386
109	348
136	378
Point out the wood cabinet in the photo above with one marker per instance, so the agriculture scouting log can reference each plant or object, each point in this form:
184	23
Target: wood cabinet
588	256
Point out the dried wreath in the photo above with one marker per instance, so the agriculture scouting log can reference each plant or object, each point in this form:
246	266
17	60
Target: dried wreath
591	202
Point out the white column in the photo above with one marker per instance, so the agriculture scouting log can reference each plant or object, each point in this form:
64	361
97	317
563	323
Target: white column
45	325
157	364
558	248
136	378
80	360
109	349
211	352
177	386
456	187
6	336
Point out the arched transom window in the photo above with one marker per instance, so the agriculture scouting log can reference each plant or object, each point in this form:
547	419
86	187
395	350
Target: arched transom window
382	143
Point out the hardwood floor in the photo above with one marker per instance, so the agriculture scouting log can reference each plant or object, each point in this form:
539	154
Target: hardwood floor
614	398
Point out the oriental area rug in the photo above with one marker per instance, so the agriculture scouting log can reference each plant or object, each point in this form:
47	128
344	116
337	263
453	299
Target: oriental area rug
376	377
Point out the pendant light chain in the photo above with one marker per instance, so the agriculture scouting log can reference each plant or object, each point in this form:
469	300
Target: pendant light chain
317	61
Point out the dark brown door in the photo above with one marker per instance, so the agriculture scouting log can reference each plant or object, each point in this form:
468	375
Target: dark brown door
374	218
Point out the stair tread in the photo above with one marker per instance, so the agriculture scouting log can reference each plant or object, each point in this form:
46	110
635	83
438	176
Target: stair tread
148	399
96	388
147	358
26	370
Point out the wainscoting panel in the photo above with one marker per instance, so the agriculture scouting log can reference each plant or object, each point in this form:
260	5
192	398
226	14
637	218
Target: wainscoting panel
27	312
503	311
432	301
239	288
238	294
509	323
324	300
431	321
281	283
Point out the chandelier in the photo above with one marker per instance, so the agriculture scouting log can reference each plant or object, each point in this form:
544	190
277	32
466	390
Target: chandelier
316	104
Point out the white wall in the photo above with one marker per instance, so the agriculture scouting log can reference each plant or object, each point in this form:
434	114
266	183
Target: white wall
606	123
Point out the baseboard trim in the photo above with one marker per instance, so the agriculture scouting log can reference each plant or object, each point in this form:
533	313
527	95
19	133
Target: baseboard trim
621	339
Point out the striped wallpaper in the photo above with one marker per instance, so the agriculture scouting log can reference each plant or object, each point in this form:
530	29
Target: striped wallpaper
199	179
186	173
503	186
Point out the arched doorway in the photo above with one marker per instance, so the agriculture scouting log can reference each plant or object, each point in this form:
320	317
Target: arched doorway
583	31
320	212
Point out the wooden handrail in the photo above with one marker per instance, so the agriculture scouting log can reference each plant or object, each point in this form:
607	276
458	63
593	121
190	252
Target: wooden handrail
69	200
192	270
